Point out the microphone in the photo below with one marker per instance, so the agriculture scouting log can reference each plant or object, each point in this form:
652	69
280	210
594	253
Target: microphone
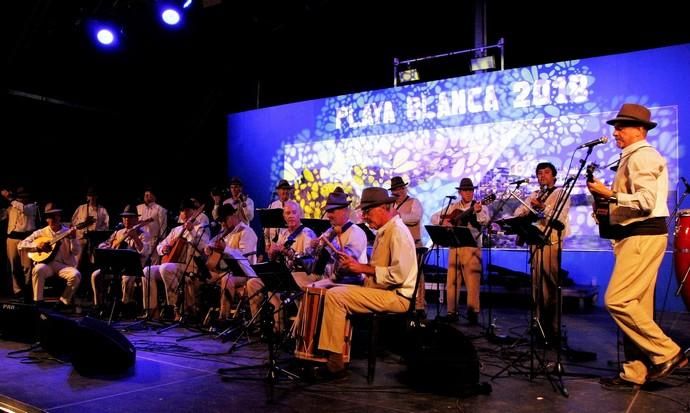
595	142
519	181
687	186
451	196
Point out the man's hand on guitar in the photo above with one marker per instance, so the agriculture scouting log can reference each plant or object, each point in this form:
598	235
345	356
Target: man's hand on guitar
72	232
346	261
43	247
596	187
166	249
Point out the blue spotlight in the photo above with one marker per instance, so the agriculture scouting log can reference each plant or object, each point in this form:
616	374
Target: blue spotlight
104	34
170	16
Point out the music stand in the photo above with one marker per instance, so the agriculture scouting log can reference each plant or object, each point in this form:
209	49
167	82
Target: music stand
271	217
523	228
319	226
118	262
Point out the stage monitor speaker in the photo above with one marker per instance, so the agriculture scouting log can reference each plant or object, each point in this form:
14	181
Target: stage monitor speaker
100	349
19	322
442	360
93	347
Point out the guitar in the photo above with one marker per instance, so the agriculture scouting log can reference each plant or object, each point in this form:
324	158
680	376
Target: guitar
49	253
216	254
117	242
601	208
179	243
458	217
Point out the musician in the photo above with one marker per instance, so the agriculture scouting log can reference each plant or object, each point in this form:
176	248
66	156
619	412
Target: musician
345	236
638	211
63	263
411	211
236	241
464	263
295	239
545	265
134	236
188	238
151	209
90	209
21	222
243	204
390	277
284	191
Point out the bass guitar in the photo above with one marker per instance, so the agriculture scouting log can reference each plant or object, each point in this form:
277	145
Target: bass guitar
601	208
119	241
458	217
52	244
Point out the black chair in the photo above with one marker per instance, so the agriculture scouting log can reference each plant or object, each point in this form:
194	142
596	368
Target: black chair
377	317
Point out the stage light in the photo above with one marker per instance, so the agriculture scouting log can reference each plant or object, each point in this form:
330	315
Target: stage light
170	16
409	75
482	63
105	34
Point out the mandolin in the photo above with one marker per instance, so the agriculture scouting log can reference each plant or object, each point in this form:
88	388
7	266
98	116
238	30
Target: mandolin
460	217
117	242
52	243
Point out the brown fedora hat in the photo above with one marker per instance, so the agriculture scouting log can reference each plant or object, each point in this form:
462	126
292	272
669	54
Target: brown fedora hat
633	114
336	200
397	182
465	184
373	197
51	209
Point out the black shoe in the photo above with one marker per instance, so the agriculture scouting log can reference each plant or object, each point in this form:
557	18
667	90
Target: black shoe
450	318
473	317
322	374
420	315
659	371
618	384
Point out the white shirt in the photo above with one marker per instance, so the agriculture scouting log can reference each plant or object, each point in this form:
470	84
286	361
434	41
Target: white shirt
394	258
101	223
21	217
160	219
549	206
240	241
411	211
641	184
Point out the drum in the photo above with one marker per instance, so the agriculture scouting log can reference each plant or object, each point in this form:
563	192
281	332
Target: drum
307	327
681	253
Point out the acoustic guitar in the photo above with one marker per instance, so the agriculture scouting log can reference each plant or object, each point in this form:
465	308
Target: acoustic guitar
52	243
177	245
601	208
117	242
458	217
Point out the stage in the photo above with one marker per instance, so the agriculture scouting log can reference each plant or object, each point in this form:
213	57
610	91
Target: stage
182	376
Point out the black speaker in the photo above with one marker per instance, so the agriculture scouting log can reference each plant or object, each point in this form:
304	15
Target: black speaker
93	347
100	349
19	322
442	360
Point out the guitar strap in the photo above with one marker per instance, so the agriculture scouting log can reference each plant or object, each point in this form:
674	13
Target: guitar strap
399	205
295	234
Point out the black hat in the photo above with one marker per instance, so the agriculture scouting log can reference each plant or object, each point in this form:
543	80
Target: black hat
336	200
397	182
373	197
225	211
633	114
284	184
130	210
465	184
91	191
235	181
22	193
51	209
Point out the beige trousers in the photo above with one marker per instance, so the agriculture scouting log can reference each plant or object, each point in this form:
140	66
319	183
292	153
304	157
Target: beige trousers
545	283
464	263
630	301
343	300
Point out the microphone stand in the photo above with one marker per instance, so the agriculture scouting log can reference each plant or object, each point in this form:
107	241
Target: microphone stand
437	248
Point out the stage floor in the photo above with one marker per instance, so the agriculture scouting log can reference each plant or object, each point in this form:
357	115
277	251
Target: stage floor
181	376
